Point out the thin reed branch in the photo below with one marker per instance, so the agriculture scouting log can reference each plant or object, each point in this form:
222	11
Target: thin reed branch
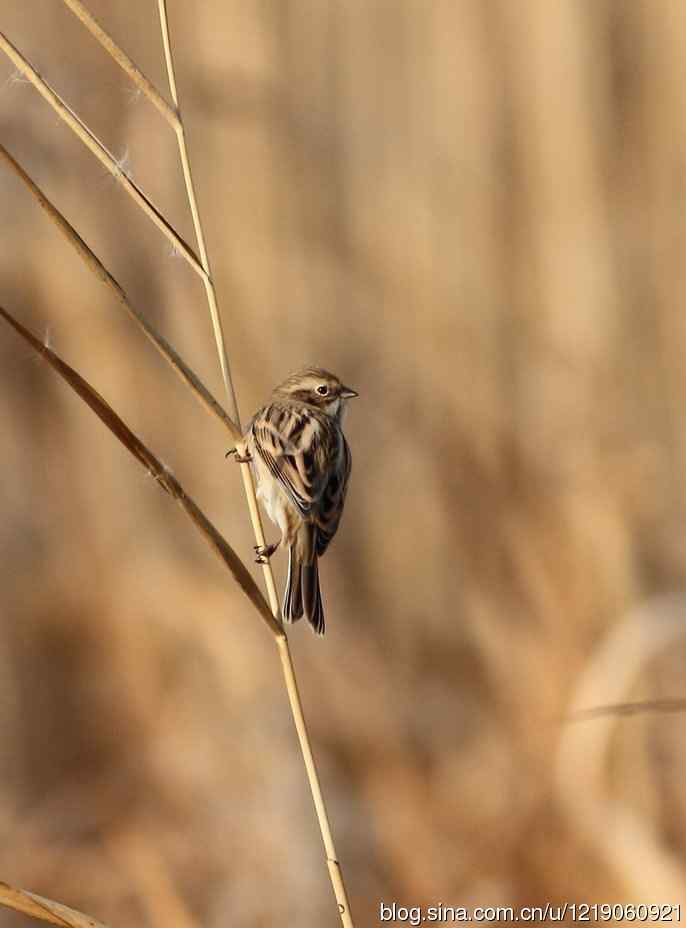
162	475
123	60
197	224
98	268
104	156
334	867
45	910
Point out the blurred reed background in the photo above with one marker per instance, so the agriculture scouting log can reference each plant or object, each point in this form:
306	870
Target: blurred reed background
474	212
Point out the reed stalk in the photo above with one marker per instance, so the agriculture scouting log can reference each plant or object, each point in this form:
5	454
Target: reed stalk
45	910
334	867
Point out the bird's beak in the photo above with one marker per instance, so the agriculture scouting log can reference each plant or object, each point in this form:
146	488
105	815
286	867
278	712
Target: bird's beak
348	394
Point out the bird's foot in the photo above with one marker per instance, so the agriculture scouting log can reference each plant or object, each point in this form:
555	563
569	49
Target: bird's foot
239	458
264	552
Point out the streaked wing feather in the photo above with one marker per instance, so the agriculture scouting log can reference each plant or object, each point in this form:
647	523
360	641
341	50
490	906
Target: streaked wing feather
331	504
291	446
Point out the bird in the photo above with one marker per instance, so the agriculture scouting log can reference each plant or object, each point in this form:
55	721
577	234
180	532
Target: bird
302	464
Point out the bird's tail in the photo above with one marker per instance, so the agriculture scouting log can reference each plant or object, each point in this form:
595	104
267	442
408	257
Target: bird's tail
293	597
312	596
303	595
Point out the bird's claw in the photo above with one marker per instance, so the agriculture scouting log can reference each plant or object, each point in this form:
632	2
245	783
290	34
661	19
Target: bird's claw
264	552
239	458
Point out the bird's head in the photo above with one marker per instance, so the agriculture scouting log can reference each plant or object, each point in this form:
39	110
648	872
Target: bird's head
317	387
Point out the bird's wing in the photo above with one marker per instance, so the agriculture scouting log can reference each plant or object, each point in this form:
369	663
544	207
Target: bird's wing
330	507
294	445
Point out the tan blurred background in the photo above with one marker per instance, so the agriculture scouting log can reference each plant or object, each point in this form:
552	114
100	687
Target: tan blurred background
474	213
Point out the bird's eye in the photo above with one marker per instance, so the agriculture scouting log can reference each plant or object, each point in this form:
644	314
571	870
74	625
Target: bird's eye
322	390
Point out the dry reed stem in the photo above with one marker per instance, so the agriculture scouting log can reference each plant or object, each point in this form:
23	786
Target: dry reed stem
104	156
197	224
333	865
162	475
98	268
45	909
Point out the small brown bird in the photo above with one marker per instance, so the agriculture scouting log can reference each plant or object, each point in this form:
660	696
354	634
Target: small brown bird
302	464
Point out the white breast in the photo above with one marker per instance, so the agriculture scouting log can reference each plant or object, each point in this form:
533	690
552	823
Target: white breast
273	496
